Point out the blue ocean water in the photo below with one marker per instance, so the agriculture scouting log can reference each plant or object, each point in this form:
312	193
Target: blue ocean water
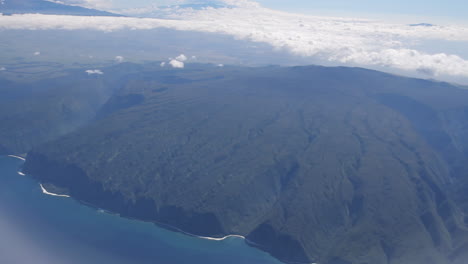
41	229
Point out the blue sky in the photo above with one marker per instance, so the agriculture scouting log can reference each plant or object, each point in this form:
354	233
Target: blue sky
438	8
447	9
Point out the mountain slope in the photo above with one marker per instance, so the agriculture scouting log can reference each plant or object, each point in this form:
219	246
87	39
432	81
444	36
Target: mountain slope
34	112
49	8
311	164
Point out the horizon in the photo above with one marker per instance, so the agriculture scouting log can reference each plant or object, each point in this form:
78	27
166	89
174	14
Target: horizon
433	11
414	45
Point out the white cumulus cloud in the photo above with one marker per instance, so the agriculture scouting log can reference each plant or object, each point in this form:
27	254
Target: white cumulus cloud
91	72
181	57
37	53
119	59
176	64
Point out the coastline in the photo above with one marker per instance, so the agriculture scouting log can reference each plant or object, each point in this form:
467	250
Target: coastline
20	158
168	226
175	229
222	238
16	157
247	241
44	191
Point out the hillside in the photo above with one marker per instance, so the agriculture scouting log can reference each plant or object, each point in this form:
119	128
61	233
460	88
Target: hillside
312	164
34	110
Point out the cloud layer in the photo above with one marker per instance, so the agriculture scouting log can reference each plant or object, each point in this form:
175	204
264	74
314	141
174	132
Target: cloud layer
337	40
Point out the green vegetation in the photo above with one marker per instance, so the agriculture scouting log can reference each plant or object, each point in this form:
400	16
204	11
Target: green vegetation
333	165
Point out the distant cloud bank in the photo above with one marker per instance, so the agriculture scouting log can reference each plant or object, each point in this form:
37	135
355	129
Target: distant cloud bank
338	40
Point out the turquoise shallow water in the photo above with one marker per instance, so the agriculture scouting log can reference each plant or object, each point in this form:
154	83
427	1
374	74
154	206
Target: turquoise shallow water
37	228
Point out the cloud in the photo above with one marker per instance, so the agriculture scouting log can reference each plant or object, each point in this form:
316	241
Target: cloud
2	69
119	59
242	3
181	57
408	59
166	8
91	72
343	41
176	64
37	53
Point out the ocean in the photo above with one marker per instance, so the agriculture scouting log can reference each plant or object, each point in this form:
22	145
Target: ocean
41	229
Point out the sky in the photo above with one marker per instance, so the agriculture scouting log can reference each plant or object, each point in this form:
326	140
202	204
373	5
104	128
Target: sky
428	8
437	9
